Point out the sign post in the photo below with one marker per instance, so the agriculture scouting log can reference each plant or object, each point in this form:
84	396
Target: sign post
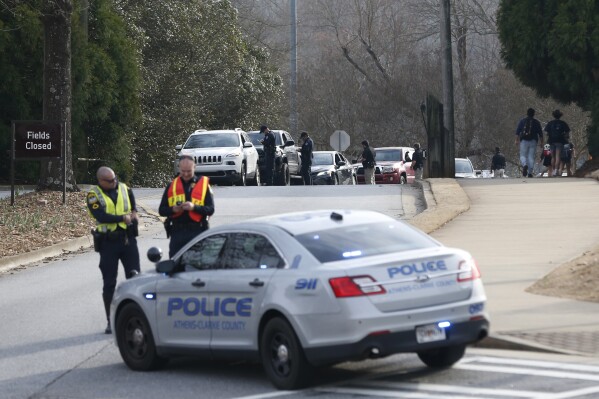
339	140
35	140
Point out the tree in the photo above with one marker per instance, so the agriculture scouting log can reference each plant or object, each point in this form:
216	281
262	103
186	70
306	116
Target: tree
56	18
199	72
92	85
553	47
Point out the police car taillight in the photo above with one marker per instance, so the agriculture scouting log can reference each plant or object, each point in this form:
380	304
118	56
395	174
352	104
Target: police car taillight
470	270
344	287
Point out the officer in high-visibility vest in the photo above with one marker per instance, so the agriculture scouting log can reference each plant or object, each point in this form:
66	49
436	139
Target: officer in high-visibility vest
187	203
112	204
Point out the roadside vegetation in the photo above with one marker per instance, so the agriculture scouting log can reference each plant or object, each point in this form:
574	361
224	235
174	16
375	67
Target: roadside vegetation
39	219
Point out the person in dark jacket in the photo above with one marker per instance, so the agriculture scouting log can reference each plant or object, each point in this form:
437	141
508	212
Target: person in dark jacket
529	134
368	163
306	152
187	203
418	162
498	163
269	144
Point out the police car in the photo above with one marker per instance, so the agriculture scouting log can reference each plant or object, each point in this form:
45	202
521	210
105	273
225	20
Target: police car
303	290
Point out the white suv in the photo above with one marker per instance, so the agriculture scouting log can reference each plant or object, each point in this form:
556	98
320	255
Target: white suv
226	156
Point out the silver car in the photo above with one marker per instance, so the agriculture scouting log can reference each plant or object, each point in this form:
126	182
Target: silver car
303	290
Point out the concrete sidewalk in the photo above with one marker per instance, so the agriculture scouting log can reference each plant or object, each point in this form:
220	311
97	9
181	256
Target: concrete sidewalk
519	230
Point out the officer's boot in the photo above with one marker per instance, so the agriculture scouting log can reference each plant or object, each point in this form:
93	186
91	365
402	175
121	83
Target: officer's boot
107	300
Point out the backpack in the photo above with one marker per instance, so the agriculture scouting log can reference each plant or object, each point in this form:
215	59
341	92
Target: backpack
567	152
526	133
557	132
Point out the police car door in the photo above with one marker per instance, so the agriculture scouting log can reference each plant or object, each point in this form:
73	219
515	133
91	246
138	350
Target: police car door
239	289
184	306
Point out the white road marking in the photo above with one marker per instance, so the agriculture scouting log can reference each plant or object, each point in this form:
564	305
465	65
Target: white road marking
535	363
527	371
275	394
460	389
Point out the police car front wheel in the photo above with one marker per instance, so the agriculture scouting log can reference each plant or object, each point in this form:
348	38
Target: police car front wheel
282	356
135	340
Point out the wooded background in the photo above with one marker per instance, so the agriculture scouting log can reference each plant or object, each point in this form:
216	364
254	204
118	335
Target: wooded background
144	75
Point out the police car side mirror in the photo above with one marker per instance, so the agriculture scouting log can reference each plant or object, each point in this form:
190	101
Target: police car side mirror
289	143
165	266
247	144
178	147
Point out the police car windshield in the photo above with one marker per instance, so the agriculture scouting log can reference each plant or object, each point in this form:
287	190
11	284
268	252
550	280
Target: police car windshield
360	241
256	137
212	140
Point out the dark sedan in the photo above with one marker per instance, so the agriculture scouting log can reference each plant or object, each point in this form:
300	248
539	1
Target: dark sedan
331	167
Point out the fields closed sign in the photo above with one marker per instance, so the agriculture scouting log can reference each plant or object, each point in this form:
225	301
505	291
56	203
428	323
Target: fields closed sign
37	139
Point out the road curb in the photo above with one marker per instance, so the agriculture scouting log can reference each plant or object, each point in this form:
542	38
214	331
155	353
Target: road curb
445	200
12	262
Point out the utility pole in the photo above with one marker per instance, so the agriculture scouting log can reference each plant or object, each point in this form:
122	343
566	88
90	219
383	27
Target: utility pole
293	67
447	73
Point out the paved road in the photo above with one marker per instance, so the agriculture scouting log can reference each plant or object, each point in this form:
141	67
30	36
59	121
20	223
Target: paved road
52	345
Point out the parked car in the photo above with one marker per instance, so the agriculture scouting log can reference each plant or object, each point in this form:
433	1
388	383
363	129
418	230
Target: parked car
303	290
393	166
287	159
464	169
225	156
331	167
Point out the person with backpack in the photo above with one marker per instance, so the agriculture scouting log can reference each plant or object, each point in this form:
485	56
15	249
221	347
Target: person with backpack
498	164
418	161
558	134
566	158
529	134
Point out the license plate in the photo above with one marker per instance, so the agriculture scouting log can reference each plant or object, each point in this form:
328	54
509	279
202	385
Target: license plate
429	333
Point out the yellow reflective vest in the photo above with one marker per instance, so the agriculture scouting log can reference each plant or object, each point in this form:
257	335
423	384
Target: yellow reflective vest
122	206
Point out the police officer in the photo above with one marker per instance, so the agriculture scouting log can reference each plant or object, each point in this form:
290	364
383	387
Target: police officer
306	152
269	144
187	203
112	204
418	161
368	162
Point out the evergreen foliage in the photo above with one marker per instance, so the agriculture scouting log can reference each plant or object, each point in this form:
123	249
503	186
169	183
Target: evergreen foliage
199	72
553	47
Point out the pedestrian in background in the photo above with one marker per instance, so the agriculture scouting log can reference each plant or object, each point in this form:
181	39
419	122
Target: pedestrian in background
306	153
529	134
112	204
566	160
558	134
418	161
187	203
269	145
498	164
368	163
546	161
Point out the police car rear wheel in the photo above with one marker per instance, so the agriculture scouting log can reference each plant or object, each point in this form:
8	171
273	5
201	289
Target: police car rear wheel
135	340
442	357
282	356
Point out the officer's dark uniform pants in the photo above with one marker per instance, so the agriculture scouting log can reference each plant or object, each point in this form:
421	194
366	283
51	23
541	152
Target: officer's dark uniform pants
306	173
269	166
180	236
120	248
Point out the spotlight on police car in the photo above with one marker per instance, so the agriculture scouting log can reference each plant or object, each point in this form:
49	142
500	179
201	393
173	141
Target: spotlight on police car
154	254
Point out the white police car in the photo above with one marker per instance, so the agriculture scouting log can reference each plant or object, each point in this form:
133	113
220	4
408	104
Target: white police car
302	290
